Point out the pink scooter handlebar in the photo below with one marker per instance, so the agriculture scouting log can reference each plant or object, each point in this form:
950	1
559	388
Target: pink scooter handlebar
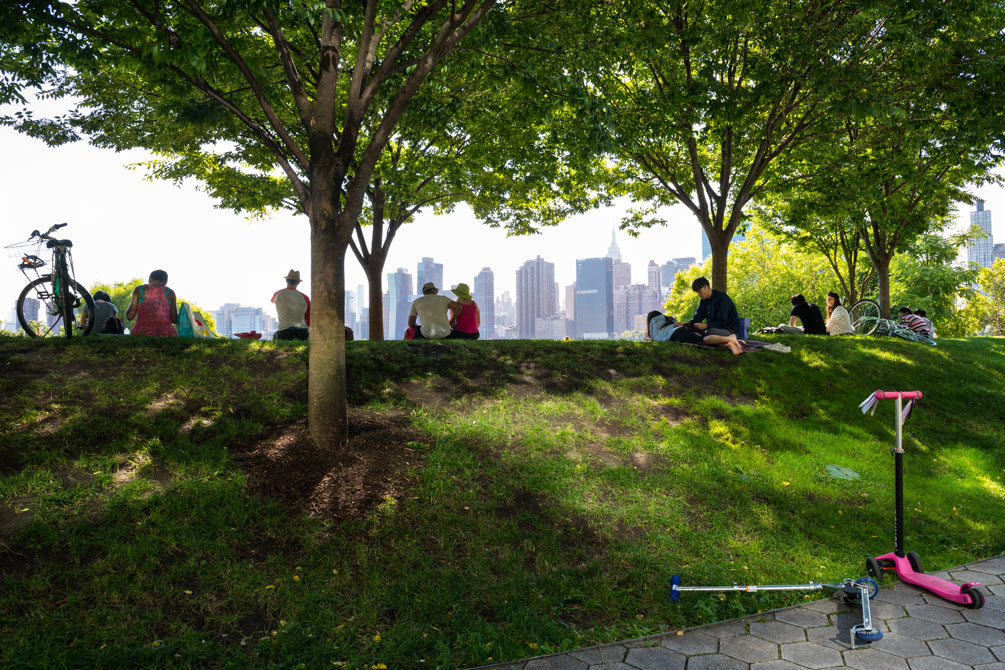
906	395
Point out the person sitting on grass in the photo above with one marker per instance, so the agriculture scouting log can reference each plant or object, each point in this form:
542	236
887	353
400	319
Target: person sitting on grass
716	313
663	328
924	315
431	309
806	312
466	322
154	307
106	316
293	309
913	322
838	318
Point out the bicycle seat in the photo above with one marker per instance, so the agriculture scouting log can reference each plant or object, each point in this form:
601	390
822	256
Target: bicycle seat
58	243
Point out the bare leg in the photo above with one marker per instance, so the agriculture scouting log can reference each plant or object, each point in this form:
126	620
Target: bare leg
728	342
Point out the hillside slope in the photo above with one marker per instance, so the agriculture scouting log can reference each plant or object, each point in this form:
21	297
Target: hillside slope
160	503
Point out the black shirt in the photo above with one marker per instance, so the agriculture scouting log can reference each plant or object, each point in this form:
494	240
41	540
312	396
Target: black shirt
812	320
718	311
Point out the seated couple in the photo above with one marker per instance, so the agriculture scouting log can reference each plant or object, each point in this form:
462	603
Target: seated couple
428	319
715	322
838	319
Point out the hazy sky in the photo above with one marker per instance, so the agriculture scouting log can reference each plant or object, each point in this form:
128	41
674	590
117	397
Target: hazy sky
123	227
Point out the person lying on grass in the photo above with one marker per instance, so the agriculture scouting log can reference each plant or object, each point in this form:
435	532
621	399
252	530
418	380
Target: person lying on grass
663	328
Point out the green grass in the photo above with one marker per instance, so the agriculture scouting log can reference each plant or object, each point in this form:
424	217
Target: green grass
554	490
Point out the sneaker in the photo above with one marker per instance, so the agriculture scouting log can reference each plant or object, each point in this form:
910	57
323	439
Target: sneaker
779	347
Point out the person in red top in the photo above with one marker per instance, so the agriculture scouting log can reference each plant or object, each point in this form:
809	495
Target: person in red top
154	307
465	323
293	309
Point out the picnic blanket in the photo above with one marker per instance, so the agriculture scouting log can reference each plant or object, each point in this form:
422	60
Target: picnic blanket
750	345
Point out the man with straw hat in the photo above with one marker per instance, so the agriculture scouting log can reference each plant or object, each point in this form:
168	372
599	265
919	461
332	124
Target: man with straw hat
293	309
431	310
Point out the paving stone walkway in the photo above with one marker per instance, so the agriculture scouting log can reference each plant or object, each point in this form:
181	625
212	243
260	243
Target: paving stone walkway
920	632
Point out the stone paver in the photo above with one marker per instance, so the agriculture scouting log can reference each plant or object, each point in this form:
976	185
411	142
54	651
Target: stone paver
715	662
810	655
934	613
872	659
655	658
748	648
692	643
921	632
961	651
777	631
972	632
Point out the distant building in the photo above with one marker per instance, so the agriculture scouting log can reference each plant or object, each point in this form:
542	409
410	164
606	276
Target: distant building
31	308
362	330
999	250
224	318
245	320
684	262
655	282
622	273
428	270
570	302
594	298
399	297
535	295
554	328
980	251
385	312
613	251
631	302
234	318
505	311
485	296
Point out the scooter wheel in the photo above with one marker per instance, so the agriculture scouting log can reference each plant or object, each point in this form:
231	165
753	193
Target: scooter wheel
873	568
915	562
976	597
869	635
873	586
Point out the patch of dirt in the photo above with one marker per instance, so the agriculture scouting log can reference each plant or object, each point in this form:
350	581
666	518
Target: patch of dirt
374	466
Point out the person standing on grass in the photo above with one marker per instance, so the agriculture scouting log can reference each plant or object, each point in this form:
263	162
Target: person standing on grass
716	313
838	318
467	322
293	309
431	309
154	307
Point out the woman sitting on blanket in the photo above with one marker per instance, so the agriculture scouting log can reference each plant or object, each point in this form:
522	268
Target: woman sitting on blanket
664	328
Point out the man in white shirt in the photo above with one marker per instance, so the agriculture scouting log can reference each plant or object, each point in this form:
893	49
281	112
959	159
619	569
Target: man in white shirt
293	309
431	310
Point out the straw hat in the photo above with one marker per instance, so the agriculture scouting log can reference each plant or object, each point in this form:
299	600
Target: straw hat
292	275
463	291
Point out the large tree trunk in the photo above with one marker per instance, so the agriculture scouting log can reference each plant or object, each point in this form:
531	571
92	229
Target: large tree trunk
882	266
329	413
720	255
374	269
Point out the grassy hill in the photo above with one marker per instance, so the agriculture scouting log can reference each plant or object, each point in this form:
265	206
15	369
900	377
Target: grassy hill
160	504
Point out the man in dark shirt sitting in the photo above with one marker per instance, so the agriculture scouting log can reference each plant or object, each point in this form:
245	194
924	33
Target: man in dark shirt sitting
716	313
809	314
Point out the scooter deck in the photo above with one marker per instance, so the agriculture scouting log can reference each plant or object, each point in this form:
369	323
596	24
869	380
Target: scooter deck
940	587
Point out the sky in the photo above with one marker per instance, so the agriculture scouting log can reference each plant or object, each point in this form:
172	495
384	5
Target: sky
124	226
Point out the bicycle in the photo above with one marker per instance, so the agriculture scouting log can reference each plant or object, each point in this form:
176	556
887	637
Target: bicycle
865	315
62	296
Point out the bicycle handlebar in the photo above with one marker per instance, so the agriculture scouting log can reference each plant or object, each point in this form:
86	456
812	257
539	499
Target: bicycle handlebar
906	395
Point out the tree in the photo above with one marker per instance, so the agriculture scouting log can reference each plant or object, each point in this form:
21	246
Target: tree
702	100
306	91
985	312
890	173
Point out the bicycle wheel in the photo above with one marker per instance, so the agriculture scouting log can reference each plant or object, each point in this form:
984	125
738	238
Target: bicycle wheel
864	317
39	302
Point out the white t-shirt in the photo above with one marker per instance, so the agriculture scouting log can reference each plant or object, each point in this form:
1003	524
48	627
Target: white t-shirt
432	313
293	308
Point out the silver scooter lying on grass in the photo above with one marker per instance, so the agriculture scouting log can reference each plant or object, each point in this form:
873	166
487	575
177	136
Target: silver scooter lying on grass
857	593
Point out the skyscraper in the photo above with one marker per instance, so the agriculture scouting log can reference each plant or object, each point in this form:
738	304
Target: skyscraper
535	295
224	319
570	302
981	250
485	296
622	273
428	270
613	251
594	298
399	302
655	278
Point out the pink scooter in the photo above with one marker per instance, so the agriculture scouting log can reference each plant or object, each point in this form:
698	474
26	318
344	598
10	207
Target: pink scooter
908	565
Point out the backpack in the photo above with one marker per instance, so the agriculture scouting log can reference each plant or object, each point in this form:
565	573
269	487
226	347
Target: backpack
113	326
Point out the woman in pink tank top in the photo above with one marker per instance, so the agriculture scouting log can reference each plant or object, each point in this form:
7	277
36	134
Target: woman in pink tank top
154	308
465	324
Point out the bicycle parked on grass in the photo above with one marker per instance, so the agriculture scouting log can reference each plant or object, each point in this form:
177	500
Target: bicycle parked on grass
866	319
62	297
